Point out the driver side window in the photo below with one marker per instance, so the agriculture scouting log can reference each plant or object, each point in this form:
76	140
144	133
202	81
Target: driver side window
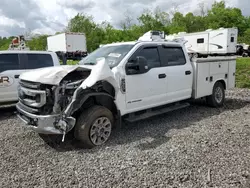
151	55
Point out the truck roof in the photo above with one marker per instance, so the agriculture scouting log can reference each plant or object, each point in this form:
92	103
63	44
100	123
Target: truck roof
145	42
121	43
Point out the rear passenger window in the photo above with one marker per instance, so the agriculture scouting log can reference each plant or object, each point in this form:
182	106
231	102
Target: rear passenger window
9	62
39	61
173	56
152	56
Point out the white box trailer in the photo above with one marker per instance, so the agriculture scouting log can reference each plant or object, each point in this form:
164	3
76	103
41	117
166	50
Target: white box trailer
222	41
73	45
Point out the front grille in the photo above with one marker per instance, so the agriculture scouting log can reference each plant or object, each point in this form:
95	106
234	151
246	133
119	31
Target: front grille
27	108
28	84
32	96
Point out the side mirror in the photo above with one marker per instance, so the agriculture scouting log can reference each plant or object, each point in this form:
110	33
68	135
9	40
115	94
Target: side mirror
137	66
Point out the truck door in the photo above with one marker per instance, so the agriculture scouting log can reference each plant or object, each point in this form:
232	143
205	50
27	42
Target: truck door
179	73
148	89
10	69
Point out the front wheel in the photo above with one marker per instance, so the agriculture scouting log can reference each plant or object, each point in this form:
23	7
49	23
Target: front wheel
218	96
94	126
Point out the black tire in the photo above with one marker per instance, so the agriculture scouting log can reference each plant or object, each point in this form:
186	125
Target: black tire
85	124
218	96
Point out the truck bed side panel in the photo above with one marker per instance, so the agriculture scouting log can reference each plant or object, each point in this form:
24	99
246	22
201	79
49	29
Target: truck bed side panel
231	74
218	67
209	71
203	86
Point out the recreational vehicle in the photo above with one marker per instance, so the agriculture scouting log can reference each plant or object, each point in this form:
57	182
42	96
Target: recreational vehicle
222	41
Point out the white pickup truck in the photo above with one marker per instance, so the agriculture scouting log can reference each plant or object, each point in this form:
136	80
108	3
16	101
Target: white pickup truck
15	62
118	82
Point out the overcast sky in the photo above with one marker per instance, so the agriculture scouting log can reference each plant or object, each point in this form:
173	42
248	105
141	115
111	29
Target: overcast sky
49	16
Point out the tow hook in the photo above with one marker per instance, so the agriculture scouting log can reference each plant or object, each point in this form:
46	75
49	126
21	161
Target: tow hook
65	124
62	125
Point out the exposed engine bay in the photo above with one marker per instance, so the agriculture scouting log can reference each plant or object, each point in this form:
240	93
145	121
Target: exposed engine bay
62	95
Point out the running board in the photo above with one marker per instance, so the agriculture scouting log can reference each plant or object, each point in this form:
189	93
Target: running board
151	112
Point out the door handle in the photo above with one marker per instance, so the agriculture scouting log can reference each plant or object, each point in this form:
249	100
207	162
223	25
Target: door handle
160	76
16	76
188	72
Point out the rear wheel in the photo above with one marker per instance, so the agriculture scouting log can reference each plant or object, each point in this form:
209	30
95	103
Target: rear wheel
94	126
218	96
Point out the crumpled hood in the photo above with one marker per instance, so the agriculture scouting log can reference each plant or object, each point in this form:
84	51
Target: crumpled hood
51	75
54	75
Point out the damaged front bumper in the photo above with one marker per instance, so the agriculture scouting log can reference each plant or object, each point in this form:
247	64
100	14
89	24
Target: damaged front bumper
44	124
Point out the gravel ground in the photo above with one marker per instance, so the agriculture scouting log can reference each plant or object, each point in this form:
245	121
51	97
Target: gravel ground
193	147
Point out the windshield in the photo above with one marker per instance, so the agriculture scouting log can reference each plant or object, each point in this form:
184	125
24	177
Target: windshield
112	54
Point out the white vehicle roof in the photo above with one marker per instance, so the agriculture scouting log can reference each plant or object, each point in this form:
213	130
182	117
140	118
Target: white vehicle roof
25	52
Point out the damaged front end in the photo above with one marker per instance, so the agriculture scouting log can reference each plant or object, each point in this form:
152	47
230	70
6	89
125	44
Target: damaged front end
48	107
42	106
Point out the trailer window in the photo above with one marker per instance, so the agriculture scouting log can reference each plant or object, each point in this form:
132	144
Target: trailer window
9	62
173	56
232	39
199	41
39	61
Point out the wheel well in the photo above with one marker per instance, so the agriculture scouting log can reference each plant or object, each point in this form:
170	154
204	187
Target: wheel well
102	100
108	88
223	83
107	102
102	93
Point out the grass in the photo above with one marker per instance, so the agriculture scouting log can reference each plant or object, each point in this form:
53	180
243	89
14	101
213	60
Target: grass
70	62
242	72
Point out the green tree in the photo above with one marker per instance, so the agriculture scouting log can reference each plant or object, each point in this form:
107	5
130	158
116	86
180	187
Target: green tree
153	21
38	43
5	42
178	24
194	23
222	16
245	38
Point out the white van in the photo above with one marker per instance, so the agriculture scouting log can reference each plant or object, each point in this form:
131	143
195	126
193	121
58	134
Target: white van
13	63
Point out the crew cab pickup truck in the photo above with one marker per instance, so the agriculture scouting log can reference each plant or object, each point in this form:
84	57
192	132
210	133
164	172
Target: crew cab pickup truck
13	63
119	82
